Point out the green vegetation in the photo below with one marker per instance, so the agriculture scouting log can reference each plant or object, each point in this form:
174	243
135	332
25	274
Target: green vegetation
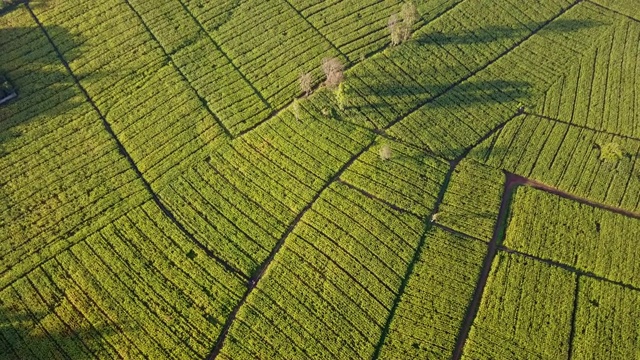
433	305
591	239
566	157
330	289
611	152
525	312
602	98
292	179
606	321
399	175
472	200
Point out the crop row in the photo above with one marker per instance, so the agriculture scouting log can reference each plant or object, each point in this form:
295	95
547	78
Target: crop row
626	7
209	71
599	91
390	85
491	95
590	239
435	300
534	310
408	179
606	321
265	179
525	312
567	157
329	290
60	169
271	44
357	28
120	295
472	200
142	95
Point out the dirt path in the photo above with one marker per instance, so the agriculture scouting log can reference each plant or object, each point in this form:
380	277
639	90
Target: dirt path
253	281
513	181
510	183
520	180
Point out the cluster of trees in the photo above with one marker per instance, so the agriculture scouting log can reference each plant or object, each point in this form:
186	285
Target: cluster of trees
400	27
333	70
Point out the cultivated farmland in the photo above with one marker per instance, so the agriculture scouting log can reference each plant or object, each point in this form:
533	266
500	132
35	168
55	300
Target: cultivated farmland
179	181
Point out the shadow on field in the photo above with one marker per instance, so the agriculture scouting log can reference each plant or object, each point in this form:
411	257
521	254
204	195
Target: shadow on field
35	73
23	336
45	91
495	33
468	93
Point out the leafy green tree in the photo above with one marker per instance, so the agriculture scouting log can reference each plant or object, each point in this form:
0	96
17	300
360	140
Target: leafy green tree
401	25
611	152
385	152
395	29
306	83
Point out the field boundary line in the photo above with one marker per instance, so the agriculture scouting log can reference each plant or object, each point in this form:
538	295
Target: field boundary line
128	157
429	224
459	233
569	268
316	29
521	180
613	11
255	279
416	256
498	234
219	48
559	121
374	197
346	69
173	64
483	67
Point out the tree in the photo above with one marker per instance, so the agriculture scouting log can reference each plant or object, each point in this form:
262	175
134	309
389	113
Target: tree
385	152
395	29
306	83
434	217
409	13
295	109
401	25
334	71
611	152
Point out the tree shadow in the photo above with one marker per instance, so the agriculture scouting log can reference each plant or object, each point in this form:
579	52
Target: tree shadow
47	99
392	91
469	92
35	73
462	98
496	33
25	333
44	91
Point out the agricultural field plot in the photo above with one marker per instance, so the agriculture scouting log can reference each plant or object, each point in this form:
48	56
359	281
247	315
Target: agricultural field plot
591	239
325	179
579	258
525	312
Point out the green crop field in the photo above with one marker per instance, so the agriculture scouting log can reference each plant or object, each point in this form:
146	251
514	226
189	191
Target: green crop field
295	179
